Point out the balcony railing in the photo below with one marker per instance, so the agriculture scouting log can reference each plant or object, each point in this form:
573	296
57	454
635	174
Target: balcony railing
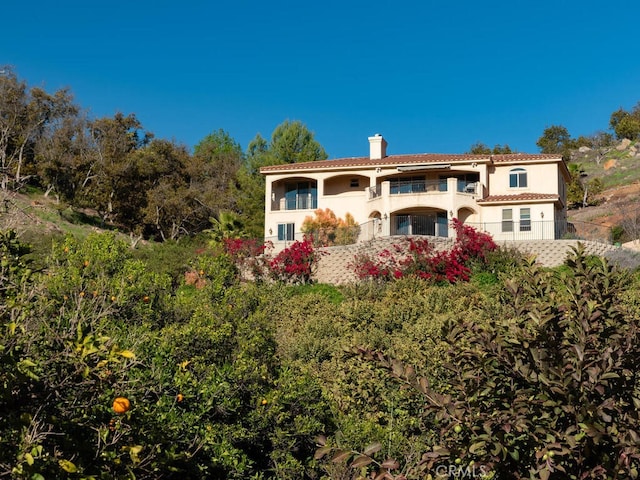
297	202
419	225
521	230
423	186
417	186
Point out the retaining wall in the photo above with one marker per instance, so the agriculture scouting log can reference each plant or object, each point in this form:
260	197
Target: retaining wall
334	266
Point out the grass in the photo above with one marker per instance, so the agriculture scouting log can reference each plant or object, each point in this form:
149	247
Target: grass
333	293
626	171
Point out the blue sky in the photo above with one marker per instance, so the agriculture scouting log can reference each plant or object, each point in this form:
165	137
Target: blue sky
431	76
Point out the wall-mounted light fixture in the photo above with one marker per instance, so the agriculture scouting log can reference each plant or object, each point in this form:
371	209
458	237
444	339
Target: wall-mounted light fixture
474	165
541	214
450	213
270	232
378	170
384	216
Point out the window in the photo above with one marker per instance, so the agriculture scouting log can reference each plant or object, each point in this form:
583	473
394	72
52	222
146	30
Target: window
301	195
407	185
467	182
507	220
518	178
286	232
355	183
525	219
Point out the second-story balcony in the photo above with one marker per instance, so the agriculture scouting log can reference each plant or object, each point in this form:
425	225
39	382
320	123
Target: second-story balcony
413	187
297	194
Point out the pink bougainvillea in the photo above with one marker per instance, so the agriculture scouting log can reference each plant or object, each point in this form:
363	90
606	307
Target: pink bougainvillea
296	263
420	259
248	255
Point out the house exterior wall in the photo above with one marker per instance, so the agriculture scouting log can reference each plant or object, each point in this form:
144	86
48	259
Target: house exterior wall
369	190
540	179
542	220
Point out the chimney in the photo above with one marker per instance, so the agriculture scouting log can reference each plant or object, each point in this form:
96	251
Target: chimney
377	147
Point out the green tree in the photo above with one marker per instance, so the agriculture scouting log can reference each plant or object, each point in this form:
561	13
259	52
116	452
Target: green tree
628	127
250	187
25	115
579	192
158	167
107	183
626	124
227	225
555	140
212	174
66	159
293	142
480	148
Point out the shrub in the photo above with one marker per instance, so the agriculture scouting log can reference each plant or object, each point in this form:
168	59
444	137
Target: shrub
551	389
418	258
248	254
295	264
327	229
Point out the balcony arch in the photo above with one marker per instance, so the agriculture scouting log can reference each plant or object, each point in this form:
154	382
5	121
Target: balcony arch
420	221
345	184
466	215
294	193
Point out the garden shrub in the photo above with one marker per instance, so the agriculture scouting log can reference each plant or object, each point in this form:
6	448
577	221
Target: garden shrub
418	258
550	389
296	263
250	256
327	229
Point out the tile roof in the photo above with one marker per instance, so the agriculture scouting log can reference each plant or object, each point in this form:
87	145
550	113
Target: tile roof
520	197
393	160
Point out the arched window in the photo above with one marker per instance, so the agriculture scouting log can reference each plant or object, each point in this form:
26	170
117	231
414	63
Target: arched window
518	178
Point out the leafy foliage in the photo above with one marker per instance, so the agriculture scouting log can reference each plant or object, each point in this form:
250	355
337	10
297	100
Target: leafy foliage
551	389
327	229
296	263
626	124
420	259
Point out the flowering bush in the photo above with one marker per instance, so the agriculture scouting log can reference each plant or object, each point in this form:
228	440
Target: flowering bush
248	255
470	243
328	229
296	263
418	258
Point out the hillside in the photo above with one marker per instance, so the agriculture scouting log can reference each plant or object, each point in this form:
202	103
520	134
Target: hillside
618	168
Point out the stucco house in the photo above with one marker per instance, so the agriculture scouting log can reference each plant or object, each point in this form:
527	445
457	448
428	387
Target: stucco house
512	197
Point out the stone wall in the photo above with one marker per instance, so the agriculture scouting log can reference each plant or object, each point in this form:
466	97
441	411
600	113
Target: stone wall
334	266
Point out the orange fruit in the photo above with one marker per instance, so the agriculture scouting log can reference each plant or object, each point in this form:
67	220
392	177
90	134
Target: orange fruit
145	299
264	401
121	405
179	397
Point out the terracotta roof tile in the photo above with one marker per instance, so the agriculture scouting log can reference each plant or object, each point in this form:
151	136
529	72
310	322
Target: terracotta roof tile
393	160
523	157
520	197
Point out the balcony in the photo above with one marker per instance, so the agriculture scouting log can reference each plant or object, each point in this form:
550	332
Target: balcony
306	201
445	194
